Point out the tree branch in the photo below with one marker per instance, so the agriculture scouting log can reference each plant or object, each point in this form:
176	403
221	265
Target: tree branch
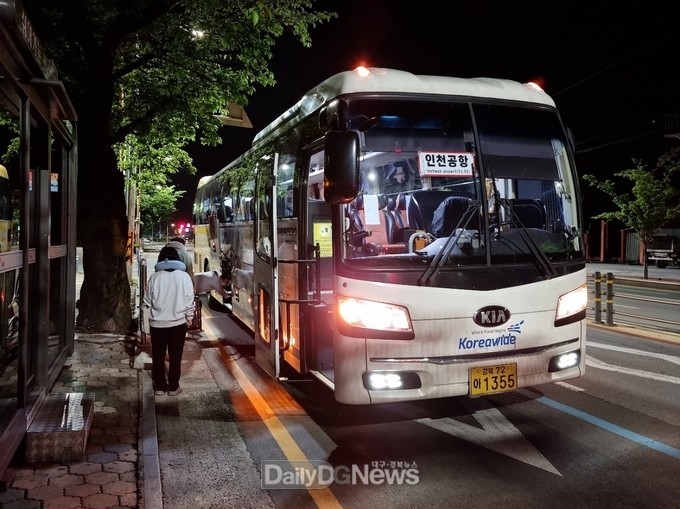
133	66
76	22
127	24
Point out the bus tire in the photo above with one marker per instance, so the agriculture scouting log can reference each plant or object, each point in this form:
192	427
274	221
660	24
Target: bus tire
661	264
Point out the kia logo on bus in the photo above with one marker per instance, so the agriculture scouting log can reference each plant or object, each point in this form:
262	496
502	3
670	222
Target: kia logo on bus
491	316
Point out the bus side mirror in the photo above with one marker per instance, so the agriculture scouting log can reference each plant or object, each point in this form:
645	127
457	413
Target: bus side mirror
341	166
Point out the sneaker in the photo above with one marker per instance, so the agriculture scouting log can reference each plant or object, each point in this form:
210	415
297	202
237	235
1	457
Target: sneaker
158	393
175	392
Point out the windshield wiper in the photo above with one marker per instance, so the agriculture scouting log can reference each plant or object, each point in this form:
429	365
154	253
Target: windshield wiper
543	263
436	263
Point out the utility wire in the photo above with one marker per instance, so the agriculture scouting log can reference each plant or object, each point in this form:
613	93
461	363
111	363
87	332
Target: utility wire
616	142
582	142
606	68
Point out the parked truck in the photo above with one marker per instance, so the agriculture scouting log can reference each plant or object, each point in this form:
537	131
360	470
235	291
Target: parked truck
663	250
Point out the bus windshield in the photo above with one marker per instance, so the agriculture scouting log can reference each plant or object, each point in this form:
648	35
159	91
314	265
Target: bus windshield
467	184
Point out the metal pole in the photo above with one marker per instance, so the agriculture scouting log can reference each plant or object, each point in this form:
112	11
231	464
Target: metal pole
610	298
598	298
142	290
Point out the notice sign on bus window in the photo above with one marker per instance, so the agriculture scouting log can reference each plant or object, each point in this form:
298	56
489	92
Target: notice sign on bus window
322	236
446	164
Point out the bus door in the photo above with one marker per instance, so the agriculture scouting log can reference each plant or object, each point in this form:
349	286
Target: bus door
317	335
265	268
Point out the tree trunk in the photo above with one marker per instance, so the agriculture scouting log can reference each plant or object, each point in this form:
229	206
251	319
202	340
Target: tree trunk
645	270
104	304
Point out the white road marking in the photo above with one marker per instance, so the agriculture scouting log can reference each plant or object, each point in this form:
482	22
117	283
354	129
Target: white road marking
498	435
598	364
323	498
670	358
570	387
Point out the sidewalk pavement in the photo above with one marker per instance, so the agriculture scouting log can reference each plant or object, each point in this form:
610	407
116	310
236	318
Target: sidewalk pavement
143	452
108	475
632	274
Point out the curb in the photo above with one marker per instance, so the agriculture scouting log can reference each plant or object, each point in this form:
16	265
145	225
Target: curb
647	283
152	493
665	337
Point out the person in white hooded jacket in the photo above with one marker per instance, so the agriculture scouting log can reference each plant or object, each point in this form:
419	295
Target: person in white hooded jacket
169	295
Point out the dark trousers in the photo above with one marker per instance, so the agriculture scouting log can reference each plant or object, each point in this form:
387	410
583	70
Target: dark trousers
170	339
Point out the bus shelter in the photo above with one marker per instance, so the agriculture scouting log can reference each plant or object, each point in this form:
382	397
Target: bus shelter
37	227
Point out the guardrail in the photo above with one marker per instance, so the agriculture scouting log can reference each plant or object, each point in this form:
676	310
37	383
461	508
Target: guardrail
609	295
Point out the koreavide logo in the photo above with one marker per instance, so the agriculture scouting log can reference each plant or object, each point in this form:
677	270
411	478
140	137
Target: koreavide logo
314	474
502	340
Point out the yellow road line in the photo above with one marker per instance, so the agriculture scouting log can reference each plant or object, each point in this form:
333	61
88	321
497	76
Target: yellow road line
323	498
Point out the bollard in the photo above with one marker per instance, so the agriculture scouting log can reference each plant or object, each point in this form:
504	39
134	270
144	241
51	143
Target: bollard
598	298
610	298
142	289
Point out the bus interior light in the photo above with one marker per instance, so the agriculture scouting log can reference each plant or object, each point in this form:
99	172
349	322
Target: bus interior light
564	361
373	315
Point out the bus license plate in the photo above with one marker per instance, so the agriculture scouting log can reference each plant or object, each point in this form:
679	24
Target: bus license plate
493	379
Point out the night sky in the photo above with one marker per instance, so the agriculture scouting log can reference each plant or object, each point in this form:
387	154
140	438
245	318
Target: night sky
612	69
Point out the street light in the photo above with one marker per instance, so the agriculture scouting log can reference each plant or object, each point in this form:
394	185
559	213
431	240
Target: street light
167	237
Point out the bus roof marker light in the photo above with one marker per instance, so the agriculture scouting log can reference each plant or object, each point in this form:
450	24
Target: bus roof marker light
362	71
533	86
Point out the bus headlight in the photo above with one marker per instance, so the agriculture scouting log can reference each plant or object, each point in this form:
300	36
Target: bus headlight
571	307
385	321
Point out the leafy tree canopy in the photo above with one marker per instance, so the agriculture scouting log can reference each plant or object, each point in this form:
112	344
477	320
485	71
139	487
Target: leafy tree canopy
10	125
173	64
148	168
652	199
146	78
157	205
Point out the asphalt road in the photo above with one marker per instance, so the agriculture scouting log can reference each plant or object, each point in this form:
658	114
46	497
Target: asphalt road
608	439
649	308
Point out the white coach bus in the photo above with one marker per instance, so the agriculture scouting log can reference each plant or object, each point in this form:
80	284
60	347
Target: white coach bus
404	237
